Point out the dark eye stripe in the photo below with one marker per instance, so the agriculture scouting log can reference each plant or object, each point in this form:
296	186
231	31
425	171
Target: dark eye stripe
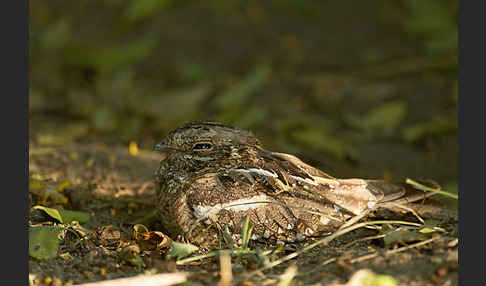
202	146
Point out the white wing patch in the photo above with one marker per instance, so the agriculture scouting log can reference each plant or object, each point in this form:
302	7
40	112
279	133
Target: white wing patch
332	183
204	211
257	171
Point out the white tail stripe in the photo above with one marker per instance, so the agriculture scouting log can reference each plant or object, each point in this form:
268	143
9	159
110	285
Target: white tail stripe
202	211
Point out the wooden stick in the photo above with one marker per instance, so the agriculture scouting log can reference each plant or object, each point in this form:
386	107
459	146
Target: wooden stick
164	279
225	269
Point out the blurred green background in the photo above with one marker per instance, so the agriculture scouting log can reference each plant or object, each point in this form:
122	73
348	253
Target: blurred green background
357	88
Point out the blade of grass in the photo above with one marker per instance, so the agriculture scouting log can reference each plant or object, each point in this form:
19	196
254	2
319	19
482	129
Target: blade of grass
326	240
227	236
246	232
425	188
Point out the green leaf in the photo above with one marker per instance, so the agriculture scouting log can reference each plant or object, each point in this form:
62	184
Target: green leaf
435	21
418	131
181	250
69	216
44	242
112	57
382	119
53	213
319	140
65	216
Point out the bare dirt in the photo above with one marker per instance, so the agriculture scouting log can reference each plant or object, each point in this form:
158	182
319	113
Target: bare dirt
116	189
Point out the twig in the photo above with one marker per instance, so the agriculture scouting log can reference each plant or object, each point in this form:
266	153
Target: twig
326	240
164	279
393	251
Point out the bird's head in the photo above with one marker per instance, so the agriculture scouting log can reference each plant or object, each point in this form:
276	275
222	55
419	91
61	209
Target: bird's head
207	141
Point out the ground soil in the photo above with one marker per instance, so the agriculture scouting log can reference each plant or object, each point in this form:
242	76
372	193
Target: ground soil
116	188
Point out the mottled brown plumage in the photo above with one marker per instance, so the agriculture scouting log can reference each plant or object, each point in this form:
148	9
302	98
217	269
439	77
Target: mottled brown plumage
214	175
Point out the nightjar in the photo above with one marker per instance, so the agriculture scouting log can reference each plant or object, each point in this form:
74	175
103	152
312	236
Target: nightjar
214	175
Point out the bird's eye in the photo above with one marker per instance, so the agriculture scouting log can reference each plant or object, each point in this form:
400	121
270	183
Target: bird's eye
202	146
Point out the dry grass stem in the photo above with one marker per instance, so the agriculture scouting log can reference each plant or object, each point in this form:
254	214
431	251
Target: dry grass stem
326	240
410	210
356	218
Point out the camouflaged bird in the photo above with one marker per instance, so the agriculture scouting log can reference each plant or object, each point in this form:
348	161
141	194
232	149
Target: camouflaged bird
214	175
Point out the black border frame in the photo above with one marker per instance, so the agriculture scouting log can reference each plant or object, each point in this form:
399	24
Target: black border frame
14	25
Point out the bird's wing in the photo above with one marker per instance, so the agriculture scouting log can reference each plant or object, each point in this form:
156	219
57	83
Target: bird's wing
234	195
295	164
247	192
353	195
303	209
307	182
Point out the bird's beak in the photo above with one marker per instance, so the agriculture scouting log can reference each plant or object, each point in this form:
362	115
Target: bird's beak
160	146
164	148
